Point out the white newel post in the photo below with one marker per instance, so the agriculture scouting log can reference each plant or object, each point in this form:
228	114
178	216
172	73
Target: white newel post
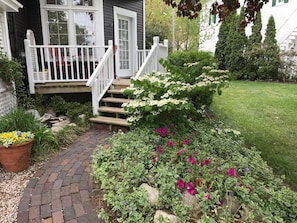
156	41
29	66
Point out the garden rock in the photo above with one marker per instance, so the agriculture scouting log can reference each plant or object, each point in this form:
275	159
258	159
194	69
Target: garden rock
232	203
59	124
163	217
191	201
152	194
35	113
46	117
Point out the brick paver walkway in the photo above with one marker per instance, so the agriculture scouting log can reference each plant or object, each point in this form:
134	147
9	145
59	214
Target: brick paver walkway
61	190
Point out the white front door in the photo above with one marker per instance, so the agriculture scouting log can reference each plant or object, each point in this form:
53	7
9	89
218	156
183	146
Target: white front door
124	48
125	40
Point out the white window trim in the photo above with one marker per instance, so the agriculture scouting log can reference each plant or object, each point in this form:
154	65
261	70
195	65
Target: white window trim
97	8
118	12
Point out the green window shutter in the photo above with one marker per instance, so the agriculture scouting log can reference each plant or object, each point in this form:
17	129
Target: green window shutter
286	1
273	3
215	18
209	17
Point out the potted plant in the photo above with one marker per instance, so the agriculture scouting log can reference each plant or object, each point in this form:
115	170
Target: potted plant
15	150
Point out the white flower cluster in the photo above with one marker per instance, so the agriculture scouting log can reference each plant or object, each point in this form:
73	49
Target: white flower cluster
225	131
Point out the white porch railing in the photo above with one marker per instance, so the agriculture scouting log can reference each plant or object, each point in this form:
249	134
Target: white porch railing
151	62
102	77
60	63
92	64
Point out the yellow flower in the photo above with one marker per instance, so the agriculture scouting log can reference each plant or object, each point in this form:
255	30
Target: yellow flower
15	137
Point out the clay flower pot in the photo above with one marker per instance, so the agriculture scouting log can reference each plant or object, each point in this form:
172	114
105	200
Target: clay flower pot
15	155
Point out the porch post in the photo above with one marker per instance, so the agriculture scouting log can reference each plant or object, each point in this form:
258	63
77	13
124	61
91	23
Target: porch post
29	66
156	40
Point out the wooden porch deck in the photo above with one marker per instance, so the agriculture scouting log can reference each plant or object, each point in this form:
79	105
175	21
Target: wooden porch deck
62	87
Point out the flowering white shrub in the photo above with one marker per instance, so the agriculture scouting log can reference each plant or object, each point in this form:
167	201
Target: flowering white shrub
160	96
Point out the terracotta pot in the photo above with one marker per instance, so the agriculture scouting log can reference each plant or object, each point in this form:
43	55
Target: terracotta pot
16	157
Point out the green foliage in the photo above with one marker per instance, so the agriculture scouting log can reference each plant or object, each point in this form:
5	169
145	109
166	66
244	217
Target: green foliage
18	119
210	162
271	61
72	109
66	135
236	44
256	36
44	142
168	98
187	65
223	45
11	74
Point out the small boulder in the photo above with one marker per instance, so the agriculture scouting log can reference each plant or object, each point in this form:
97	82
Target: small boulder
163	217
191	200
152	194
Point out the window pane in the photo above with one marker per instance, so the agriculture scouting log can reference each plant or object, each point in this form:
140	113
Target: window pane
124	44
83	2
84	28
57	2
58	29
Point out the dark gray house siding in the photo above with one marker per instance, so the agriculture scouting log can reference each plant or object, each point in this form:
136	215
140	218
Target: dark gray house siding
134	5
27	18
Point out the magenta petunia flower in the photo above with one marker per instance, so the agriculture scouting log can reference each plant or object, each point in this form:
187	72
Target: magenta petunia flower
192	160
191	189
186	141
159	149
180	184
170	143
159	130
205	162
231	172
207	196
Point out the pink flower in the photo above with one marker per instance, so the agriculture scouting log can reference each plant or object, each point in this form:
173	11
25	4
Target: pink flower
159	150
170	143
207	196
155	159
162	131
178	153
186	141
192	160
180	184
231	172
249	188
191	189
205	162
218	169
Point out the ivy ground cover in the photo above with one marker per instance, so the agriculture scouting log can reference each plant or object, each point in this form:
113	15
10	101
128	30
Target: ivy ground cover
208	162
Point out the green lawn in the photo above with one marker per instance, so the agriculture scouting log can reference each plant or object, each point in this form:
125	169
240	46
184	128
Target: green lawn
266	115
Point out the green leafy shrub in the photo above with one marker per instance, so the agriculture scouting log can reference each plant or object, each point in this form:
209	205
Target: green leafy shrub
71	109
178	63
209	163
163	98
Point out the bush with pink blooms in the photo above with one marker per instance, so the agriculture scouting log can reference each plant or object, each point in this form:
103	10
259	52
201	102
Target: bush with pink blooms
230	182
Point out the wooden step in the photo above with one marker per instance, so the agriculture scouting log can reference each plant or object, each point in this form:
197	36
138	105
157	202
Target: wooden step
115	91
116	100
110	121
111	110
121	83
